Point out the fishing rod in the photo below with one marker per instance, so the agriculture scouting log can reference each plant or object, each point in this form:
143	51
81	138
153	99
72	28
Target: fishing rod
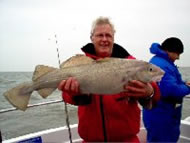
65	103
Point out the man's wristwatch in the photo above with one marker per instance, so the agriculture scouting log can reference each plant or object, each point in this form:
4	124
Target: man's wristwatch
149	97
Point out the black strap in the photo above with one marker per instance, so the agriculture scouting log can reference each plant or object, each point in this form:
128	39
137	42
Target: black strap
172	100
103	119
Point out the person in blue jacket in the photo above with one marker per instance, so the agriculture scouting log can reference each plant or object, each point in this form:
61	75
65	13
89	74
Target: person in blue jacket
163	122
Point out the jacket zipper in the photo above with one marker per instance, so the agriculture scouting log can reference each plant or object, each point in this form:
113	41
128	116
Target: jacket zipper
103	119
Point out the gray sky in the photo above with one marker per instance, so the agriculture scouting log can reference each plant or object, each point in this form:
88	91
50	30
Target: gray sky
28	28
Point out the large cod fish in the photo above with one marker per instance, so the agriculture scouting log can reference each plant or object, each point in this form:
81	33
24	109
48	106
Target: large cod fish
104	76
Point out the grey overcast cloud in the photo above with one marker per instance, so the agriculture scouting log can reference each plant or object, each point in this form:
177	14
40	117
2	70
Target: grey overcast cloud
28	28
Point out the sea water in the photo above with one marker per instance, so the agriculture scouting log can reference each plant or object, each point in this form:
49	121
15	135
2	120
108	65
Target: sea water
17	123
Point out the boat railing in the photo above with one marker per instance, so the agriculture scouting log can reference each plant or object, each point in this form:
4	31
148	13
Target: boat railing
31	105
40	104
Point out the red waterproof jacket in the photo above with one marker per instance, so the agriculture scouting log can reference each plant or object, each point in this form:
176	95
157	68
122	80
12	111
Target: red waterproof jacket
114	118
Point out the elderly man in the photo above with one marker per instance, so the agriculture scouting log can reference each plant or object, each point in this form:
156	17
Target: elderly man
113	118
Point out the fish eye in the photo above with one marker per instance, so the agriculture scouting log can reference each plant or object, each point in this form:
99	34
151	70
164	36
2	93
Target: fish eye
150	69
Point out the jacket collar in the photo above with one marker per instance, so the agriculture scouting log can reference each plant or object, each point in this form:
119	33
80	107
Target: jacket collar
118	51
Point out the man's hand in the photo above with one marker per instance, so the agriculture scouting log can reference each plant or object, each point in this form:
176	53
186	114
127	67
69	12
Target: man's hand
70	86
138	89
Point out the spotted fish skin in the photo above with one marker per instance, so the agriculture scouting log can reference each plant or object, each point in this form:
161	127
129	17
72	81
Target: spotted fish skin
105	76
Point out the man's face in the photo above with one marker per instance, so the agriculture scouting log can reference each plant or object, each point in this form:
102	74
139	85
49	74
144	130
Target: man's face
103	39
173	56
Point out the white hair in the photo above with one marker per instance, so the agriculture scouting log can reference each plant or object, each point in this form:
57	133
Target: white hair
100	21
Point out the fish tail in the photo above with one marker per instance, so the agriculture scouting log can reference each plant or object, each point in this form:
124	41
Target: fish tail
19	96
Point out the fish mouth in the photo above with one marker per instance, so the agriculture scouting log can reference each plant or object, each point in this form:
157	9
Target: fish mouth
157	78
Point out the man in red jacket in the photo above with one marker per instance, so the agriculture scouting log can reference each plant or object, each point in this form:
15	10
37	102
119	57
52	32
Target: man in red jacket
113	118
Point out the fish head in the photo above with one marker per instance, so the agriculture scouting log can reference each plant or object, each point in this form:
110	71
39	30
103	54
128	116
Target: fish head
149	73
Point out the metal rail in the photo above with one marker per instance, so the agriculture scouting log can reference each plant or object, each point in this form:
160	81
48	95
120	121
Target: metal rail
40	104
31	105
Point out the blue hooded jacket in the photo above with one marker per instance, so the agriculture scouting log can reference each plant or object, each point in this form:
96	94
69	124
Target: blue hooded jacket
171	85
163	121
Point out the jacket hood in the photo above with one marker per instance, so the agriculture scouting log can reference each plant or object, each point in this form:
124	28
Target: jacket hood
155	49
118	51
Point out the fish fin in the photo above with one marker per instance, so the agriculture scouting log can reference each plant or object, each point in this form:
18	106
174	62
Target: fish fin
19	96
46	92
41	70
76	60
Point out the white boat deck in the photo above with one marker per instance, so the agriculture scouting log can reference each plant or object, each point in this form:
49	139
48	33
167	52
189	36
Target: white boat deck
61	135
